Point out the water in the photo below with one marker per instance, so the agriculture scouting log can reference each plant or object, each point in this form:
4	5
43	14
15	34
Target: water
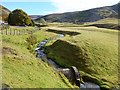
89	86
41	54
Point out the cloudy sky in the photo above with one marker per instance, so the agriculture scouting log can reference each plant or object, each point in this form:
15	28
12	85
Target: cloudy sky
42	7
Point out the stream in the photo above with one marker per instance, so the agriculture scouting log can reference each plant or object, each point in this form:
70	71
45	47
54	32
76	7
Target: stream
40	53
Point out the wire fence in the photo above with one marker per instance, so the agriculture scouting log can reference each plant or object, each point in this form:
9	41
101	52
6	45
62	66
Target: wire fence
11	31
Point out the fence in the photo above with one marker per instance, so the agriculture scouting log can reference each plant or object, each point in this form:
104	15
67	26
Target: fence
9	31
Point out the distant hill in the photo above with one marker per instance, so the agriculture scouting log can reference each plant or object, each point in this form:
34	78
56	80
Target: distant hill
110	23
5	12
90	15
33	17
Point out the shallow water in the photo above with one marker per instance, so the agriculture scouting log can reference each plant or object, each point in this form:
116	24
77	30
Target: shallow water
41	54
89	86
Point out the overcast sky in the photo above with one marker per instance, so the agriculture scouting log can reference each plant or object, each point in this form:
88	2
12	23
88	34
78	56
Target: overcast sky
42	7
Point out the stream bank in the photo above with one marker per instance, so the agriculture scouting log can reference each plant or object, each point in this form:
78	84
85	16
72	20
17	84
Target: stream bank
71	73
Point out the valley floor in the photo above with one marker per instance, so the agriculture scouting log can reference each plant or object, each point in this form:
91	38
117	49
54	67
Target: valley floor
94	51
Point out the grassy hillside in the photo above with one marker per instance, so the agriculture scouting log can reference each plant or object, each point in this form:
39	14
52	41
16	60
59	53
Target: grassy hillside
4	12
111	23
90	15
21	69
94	51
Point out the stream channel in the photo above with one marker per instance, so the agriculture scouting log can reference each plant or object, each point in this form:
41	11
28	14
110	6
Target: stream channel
40	53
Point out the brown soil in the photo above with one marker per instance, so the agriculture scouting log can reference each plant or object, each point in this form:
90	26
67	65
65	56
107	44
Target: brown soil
8	50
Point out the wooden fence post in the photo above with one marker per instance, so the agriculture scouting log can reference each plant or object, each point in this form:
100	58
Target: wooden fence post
6	31
10	31
14	32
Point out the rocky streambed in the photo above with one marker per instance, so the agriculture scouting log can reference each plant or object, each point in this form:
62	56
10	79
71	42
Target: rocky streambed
71	73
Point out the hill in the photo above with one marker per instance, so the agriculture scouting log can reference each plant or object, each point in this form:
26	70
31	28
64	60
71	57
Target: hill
20	67
90	15
110	23
92	50
4	12
33	17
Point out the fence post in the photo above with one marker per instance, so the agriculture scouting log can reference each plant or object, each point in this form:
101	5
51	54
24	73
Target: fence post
14	32
6	31
10	31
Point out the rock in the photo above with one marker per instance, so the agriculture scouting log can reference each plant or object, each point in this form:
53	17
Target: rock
89	86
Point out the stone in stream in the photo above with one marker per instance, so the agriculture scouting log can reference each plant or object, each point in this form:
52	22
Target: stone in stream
72	74
75	75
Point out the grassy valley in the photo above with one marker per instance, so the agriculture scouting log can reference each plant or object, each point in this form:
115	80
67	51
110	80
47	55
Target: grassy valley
90	43
94	51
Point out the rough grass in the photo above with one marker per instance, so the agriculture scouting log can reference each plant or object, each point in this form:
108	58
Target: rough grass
94	52
105	21
110	23
21	69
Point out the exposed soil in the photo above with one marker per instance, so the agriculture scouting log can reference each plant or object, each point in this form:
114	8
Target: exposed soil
8	50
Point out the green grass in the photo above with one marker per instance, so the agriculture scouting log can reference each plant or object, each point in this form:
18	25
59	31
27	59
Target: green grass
107	21
21	69
94	52
110	23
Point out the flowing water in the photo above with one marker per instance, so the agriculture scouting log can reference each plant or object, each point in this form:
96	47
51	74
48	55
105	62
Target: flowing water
41	54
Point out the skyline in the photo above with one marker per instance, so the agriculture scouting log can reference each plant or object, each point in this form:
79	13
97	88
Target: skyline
31	8
55	6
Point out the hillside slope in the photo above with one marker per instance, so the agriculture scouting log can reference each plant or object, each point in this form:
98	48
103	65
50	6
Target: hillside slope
94	51
33	17
110	23
4	12
84	16
21	69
